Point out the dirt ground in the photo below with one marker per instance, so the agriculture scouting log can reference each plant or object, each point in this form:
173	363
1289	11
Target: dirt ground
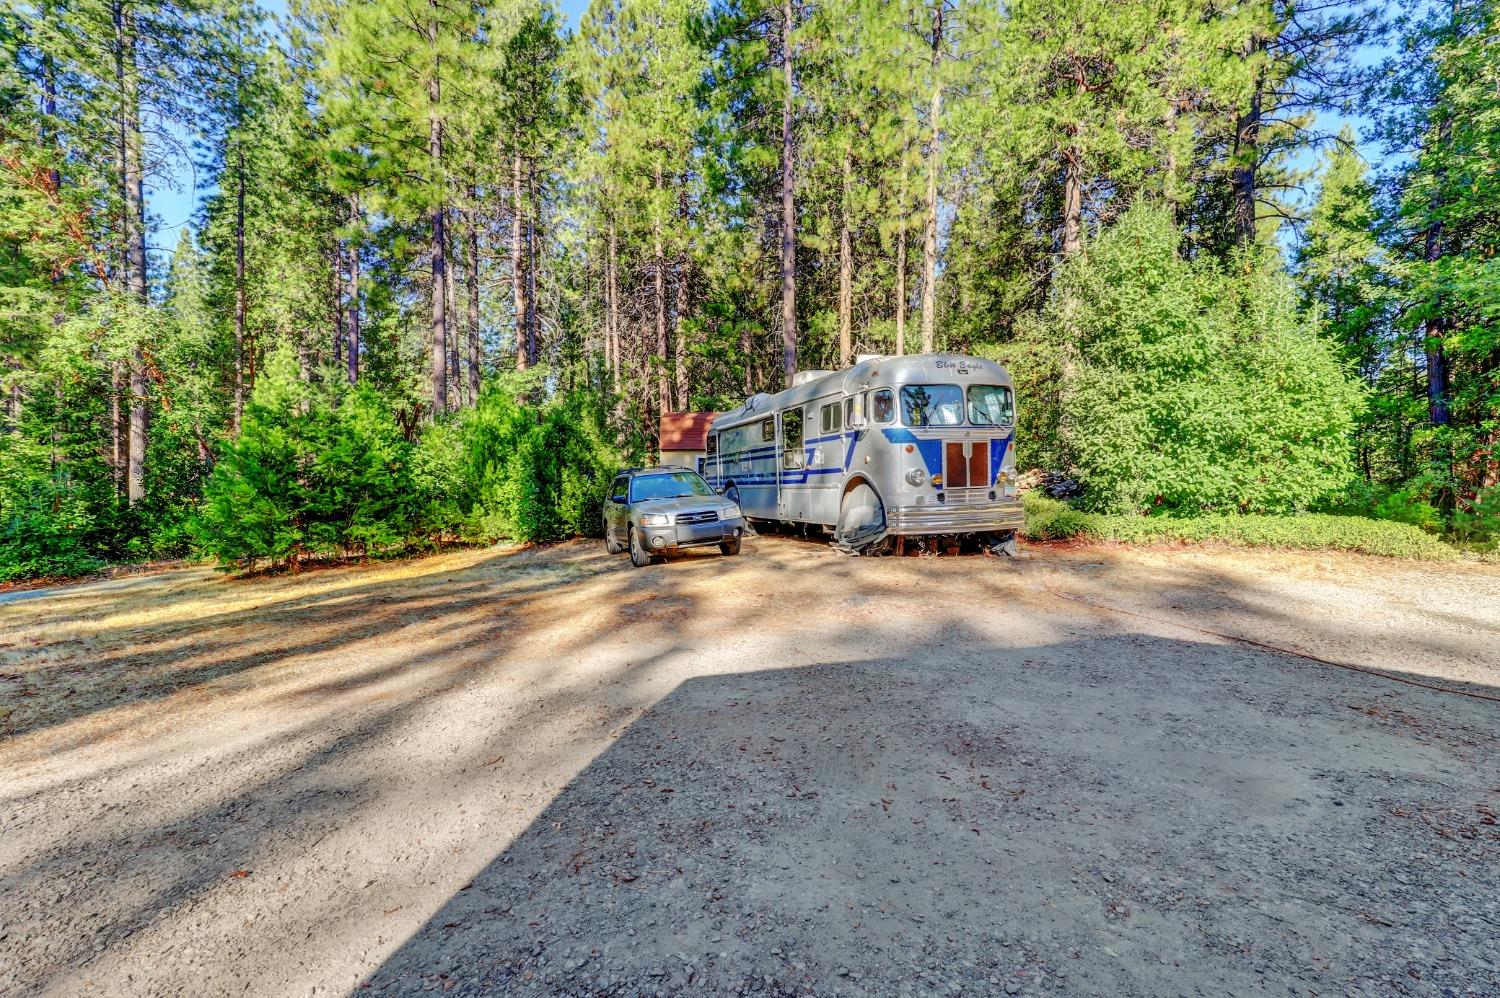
791	772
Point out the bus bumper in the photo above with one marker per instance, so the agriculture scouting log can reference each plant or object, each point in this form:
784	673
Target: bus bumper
941	518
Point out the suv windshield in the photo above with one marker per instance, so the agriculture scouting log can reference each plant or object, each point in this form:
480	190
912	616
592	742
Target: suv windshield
932	405
668	485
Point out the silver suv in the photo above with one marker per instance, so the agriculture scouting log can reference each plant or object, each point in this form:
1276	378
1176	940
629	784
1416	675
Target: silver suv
652	511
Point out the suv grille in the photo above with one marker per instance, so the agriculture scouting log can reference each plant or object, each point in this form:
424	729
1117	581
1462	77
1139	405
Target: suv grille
705	516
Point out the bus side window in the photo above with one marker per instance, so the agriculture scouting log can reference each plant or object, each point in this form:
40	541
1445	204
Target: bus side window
831	418
767	430
791	439
713	444
883	406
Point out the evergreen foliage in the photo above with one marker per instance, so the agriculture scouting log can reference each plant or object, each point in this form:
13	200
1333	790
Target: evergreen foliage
1194	386
401	203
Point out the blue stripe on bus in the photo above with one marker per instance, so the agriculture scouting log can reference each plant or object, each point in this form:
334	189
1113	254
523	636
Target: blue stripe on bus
930	449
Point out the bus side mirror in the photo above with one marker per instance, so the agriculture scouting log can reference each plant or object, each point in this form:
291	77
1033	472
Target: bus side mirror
857	422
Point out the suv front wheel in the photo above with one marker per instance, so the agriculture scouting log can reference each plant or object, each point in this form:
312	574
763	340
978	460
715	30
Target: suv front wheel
639	556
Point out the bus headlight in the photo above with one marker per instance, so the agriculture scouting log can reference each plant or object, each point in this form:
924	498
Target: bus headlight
655	520
916	476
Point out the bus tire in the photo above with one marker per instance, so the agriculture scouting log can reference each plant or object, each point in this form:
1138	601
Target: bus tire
861	517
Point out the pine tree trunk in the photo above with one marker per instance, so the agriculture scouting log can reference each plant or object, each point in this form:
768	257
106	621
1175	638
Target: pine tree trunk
354	325
340	313
929	240
612	284
239	277
1436	327
659	268
609	306
901	260
533	222
456	385
846	273
1246	162
439	235
788	208
471	277
117	429
134	202
747	357
1072	243
517	266
679	349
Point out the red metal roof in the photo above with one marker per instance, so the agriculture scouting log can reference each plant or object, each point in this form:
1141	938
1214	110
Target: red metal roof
685	430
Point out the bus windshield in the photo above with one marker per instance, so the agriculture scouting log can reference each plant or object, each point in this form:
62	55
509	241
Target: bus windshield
669	485
932	405
990	405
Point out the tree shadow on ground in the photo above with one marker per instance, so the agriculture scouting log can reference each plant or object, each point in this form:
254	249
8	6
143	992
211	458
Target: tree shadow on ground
1120	815
920	795
144	661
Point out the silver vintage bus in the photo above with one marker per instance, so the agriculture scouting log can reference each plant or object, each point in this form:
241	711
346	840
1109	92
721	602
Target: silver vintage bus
892	447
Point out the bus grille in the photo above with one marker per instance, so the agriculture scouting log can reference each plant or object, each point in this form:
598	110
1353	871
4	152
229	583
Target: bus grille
704	516
966	471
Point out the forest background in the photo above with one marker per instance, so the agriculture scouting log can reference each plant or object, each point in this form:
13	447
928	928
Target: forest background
448	262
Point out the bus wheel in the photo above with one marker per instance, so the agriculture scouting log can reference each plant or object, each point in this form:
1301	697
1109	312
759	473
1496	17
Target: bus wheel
861	519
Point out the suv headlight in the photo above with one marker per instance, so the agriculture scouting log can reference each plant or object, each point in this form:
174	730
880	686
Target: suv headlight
655	520
732	511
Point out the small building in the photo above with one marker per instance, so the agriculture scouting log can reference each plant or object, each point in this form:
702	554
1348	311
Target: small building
684	438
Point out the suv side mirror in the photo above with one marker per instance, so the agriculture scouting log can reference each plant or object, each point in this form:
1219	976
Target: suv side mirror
619	499
719	489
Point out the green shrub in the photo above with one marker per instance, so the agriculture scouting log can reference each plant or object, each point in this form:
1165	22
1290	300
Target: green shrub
43	535
534	472
1048	519
1476	525
313	472
1182	385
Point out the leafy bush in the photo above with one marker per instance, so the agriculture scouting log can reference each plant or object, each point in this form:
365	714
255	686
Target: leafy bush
313	472
1183	385
1477	525
43	535
1048	519
534	472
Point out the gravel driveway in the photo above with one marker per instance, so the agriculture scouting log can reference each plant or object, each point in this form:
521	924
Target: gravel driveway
542	772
